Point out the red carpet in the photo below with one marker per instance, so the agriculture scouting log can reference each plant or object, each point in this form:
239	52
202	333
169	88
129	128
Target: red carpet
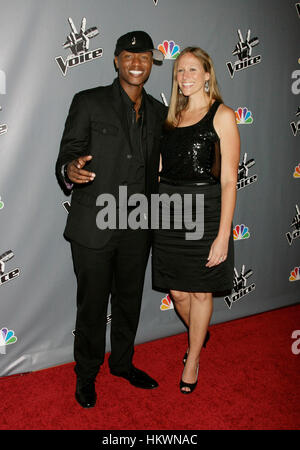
248	380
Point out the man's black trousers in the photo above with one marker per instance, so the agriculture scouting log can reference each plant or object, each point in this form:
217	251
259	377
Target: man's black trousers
117	269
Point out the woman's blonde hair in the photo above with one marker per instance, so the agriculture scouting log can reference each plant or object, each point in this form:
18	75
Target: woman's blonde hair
178	101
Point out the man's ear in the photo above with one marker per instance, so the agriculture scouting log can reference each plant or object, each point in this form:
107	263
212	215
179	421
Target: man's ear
116	63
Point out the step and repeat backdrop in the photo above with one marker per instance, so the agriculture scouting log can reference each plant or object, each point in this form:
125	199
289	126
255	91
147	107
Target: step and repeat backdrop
52	49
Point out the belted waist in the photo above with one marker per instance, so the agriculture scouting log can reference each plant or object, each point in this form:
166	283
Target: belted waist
186	182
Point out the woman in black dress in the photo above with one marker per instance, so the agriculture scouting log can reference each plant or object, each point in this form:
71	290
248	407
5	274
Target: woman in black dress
200	154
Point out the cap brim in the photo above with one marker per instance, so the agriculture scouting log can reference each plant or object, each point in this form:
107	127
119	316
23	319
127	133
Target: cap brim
158	55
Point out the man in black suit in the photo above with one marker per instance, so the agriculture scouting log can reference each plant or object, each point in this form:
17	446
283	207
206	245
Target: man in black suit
111	139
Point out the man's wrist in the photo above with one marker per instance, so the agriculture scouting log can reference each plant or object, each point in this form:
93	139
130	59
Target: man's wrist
65	172
67	180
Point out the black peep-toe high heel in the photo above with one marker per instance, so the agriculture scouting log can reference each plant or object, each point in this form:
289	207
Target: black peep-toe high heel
190	386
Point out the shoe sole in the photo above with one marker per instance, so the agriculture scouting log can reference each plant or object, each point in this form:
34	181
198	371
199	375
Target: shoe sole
83	406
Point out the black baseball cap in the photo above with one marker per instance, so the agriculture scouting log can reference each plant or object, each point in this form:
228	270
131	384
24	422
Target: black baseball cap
138	42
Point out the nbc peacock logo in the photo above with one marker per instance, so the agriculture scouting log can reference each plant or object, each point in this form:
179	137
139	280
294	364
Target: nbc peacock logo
296	173
1	203
243	116
295	274
166	303
169	49
7	337
240	232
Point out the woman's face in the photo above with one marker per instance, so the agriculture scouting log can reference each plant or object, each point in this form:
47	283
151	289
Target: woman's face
191	75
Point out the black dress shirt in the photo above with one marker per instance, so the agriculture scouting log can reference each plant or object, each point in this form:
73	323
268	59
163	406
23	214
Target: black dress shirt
136	130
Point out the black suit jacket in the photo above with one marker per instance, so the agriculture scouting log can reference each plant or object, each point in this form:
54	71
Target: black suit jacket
97	126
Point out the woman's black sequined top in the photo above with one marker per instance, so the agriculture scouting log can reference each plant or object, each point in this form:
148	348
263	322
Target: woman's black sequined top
192	154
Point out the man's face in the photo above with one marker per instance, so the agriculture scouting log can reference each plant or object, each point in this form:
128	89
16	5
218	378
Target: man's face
134	68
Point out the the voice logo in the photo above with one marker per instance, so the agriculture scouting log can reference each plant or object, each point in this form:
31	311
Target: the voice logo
295	126
240	286
79	44
243	178
8	276
243	50
291	236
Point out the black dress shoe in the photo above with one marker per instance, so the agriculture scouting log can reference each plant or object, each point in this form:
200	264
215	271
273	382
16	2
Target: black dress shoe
85	393
137	378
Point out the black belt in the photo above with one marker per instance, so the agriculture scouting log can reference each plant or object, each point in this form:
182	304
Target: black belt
186	183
